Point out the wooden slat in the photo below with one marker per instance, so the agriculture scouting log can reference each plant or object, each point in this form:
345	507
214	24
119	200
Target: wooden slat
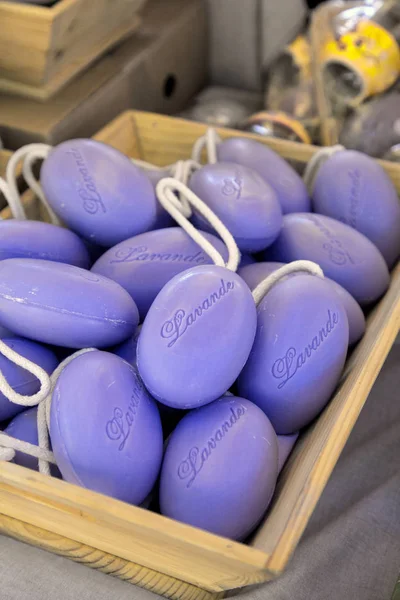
106	563
42	48
134	534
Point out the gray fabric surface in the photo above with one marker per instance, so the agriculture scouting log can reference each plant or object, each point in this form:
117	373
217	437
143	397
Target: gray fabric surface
350	551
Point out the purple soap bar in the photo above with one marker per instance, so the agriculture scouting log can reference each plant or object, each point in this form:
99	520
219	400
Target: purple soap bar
353	188
105	428
98	192
220	468
64	305
127	350
344	254
299	352
196	337
254	274
19	379
145	263
246	204
292	193
285	447
33	239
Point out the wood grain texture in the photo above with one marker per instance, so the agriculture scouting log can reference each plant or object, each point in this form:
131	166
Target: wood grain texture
42	48
106	563
117	532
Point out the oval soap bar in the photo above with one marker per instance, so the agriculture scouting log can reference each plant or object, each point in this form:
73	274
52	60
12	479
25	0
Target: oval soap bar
246	204
34	239
64	305
220	468
292	193
145	263
299	352
19	379
196	337
353	188
254	274
98	192
344	254
105	428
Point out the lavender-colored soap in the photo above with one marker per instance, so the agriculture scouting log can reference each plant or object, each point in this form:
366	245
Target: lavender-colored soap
246	259
345	255
285	447
98	192
19	379
299	352
63	305
353	188
292	193
145	263
196	337
105	429
34	239
254	274
243	200
220	468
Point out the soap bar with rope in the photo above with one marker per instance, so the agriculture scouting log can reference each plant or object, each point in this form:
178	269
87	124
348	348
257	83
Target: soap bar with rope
105	429
98	192
254	274
290	188
299	351
243	200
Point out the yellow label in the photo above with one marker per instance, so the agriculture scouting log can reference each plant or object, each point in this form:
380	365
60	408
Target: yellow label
372	52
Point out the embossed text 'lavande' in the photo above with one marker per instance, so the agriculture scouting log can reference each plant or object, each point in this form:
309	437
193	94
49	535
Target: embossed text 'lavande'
191	466
286	367
86	188
175	328
142	254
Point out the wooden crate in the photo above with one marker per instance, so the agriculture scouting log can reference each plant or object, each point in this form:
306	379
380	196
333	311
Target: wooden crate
43	48
157	553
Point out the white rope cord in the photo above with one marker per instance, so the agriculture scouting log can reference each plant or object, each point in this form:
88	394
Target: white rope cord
14	199
297	266
209	141
32	368
8	444
5	190
34	185
180	210
316	162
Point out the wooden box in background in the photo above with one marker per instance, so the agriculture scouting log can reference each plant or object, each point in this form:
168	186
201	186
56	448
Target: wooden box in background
162	555
42	48
159	68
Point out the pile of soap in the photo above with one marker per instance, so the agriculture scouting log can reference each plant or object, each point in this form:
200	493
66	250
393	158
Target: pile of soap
194	393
